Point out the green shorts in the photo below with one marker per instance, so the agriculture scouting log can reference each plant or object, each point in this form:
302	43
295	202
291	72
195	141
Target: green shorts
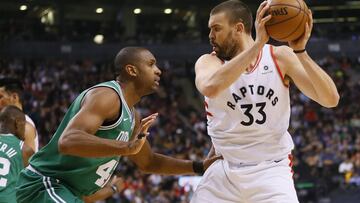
35	188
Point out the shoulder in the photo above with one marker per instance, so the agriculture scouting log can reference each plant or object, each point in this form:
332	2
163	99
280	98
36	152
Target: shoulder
284	58
102	99
209	57
29	120
208	60
282	52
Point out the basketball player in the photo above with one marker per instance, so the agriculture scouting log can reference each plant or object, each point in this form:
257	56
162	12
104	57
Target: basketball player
100	126
14	154
246	87
10	94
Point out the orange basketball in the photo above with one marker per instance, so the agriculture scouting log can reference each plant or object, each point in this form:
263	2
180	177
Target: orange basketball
288	19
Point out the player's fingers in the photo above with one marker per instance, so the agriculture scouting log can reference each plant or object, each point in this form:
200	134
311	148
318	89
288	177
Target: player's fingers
263	11
262	5
267	18
154	115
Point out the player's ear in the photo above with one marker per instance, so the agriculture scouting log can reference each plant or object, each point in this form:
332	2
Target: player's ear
20	128
131	70
14	97
240	27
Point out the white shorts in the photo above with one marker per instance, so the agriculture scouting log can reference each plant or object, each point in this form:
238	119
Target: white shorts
266	182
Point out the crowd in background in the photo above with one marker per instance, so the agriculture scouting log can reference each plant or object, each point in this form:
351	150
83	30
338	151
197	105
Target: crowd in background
147	31
327	152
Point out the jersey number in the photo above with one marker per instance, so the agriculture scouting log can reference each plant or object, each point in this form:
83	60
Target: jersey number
104	171
4	170
248	108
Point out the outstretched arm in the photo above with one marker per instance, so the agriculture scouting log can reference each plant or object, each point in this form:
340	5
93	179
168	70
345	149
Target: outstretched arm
78	138
150	162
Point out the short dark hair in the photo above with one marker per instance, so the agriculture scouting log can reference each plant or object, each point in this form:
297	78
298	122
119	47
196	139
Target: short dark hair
236	11
12	85
11	112
126	56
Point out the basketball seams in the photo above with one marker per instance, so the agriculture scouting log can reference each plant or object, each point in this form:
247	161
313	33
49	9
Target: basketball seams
299	11
301	22
291	6
294	20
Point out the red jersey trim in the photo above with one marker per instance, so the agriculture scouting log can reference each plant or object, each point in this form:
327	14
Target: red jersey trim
277	66
258	59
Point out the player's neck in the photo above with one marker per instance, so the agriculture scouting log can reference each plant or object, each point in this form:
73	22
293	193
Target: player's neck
18	104
245	43
129	93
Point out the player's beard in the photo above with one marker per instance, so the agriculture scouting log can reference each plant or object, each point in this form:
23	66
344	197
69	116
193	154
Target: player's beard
228	50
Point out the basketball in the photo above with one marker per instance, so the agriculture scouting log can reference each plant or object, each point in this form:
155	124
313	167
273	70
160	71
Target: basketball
288	19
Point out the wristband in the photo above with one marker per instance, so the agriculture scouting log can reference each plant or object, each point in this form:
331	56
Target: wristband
198	167
140	135
299	51
114	188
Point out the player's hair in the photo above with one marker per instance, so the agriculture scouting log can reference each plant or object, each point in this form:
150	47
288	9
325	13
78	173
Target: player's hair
11	112
12	85
236	11
126	56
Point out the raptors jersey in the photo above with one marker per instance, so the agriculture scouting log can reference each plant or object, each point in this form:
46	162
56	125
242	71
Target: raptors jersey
248	121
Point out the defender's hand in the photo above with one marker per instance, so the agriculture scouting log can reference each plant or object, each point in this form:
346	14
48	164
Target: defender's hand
135	145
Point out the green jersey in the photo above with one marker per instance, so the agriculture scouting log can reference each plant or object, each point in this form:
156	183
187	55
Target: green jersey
84	176
11	163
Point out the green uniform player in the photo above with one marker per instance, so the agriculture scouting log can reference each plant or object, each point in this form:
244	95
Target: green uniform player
13	152
11	163
70	170
100	126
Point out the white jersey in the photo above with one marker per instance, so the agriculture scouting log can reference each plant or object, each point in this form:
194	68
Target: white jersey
29	120
248	121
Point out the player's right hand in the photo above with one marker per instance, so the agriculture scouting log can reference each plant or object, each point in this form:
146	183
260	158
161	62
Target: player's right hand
261	35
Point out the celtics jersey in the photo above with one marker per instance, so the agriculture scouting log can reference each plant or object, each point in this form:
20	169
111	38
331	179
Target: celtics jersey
84	176
11	163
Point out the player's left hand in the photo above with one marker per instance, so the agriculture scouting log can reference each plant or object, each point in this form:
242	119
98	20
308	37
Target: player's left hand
209	160
300	44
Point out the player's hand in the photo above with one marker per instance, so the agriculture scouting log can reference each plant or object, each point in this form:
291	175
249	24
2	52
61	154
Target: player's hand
135	145
300	43
261	35
209	160
145	124
118	182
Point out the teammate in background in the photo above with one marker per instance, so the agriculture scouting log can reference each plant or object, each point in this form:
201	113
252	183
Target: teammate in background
98	127
14	154
10	94
246	87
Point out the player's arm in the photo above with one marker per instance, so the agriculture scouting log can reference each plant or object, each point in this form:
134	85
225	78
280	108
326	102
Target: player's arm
212	76
78	139
309	77
150	162
30	135
115	186
27	152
